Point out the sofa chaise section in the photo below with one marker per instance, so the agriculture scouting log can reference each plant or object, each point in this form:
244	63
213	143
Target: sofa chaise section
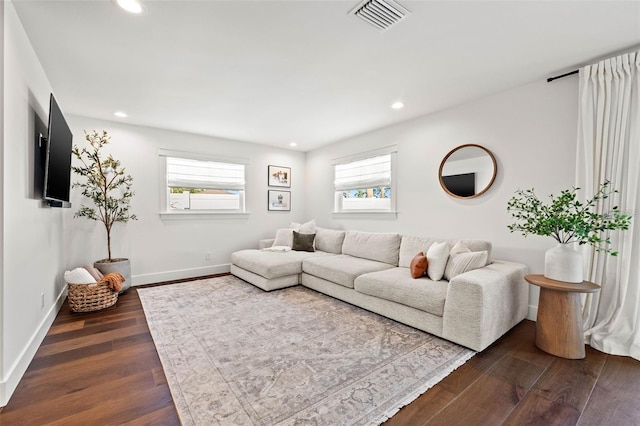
270	270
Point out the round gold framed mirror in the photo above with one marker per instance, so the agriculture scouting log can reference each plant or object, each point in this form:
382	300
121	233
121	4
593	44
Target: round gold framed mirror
467	171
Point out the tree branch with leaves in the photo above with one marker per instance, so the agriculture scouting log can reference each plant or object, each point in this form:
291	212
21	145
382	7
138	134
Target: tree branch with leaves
104	183
566	219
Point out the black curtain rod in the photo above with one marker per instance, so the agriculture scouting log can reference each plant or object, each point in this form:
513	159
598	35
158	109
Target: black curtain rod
550	79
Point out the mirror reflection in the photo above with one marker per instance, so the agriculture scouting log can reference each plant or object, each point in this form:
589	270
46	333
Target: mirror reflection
467	171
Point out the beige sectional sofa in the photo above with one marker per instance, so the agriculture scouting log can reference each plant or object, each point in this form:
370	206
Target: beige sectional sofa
371	270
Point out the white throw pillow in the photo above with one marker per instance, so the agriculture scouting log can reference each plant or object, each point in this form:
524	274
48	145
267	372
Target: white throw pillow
304	228
284	237
79	276
437	256
458	248
464	262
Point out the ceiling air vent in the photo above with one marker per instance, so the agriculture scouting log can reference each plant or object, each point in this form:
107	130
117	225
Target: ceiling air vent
382	14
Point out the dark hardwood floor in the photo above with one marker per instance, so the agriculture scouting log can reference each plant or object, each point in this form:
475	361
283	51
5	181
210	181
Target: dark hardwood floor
102	369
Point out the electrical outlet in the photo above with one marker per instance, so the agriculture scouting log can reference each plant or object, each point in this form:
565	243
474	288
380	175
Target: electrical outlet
209	255
41	300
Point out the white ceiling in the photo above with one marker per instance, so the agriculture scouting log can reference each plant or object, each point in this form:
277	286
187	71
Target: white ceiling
273	72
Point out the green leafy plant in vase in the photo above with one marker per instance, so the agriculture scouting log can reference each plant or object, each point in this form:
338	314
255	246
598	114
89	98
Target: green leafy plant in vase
568	221
105	183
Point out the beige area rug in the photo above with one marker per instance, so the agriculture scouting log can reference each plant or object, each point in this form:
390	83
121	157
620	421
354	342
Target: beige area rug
236	355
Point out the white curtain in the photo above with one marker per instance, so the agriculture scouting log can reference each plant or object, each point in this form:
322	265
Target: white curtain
609	149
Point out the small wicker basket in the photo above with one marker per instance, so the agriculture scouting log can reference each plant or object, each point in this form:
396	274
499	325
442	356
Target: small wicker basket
91	297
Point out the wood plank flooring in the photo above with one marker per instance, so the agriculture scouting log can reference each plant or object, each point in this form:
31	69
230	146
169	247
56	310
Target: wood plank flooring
102	369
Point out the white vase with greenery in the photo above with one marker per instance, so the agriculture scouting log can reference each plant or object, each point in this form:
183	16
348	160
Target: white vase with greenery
568	221
105	183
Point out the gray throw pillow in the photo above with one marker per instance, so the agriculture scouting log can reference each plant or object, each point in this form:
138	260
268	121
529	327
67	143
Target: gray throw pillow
303	242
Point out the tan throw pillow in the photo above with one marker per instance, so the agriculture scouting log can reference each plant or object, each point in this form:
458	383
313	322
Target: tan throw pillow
418	265
437	256
464	262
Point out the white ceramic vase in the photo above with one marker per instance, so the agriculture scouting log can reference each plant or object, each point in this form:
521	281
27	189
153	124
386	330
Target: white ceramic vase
563	263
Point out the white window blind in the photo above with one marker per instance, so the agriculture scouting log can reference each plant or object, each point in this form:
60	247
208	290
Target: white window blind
189	173
366	173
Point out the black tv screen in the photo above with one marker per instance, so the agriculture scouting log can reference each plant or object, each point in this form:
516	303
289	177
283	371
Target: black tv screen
463	185
57	171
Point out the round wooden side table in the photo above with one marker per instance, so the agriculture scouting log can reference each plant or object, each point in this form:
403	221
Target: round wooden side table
559	323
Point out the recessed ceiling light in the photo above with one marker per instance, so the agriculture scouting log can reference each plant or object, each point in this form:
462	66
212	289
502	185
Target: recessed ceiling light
397	105
293	144
120	114
131	6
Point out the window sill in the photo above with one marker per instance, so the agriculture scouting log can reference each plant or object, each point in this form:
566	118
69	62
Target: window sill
187	215
366	215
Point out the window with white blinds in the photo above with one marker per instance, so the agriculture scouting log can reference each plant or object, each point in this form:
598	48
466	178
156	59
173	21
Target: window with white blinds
204	185
365	185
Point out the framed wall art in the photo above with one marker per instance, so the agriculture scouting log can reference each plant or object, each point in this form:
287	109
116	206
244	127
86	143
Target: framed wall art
279	200
279	176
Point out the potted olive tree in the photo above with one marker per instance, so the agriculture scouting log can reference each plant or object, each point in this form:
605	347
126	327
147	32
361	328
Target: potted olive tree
568	221
105	183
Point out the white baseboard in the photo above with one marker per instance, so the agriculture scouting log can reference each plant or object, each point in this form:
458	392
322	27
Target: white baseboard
17	370
533	313
158	277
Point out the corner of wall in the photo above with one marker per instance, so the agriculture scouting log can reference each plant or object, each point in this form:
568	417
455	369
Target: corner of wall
3	392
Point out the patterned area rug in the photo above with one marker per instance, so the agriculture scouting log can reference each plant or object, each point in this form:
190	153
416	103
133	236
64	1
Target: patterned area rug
236	355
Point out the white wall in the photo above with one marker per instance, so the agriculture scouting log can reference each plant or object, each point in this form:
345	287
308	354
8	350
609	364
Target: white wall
531	130
32	243
2	381
164	249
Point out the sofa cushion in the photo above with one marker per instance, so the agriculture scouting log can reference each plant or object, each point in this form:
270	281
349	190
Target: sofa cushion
396	285
272	264
329	240
373	246
341	269
410	245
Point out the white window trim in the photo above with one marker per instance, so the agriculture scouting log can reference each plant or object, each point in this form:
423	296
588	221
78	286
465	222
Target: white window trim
392	213
196	214
203	214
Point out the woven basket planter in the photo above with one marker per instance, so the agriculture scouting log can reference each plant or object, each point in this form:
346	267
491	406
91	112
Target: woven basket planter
91	297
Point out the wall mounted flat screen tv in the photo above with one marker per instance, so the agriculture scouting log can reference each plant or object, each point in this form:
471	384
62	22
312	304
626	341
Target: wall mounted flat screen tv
57	169
463	185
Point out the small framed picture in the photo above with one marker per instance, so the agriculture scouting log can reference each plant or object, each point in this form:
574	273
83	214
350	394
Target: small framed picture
279	200
279	176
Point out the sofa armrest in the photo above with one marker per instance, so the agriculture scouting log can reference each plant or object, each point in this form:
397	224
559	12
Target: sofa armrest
485	303
265	243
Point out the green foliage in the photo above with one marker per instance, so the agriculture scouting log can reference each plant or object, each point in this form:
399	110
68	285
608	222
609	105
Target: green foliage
566	219
104	183
180	190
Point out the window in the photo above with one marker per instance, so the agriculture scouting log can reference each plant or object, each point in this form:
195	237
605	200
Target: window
203	185
365	184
